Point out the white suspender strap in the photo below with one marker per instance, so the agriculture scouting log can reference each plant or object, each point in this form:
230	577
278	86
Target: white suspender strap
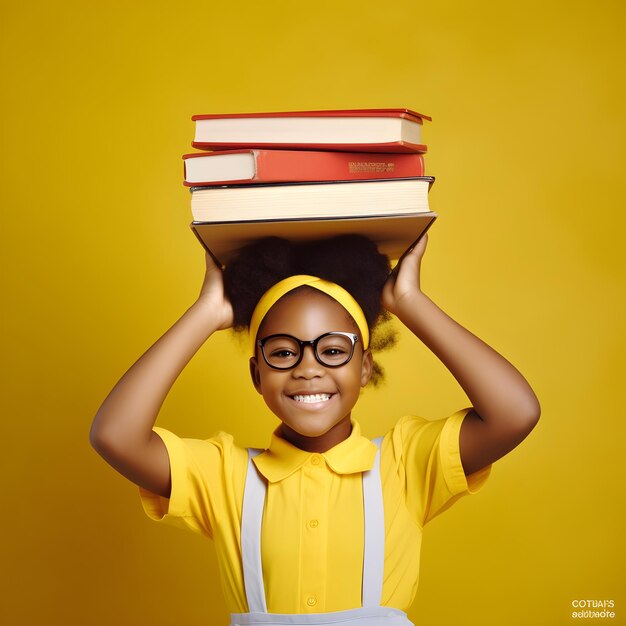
251	522
374	549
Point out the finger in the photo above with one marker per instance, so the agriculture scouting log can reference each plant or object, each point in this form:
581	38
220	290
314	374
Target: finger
420	247
394	272
211	264
410	260
391	281
417	249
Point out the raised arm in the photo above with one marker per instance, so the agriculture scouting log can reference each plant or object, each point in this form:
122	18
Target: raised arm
121	431
505	408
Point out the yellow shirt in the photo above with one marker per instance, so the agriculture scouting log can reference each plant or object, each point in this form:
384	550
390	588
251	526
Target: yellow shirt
312	535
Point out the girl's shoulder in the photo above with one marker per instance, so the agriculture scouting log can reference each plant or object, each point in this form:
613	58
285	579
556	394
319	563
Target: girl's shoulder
415	436
220	449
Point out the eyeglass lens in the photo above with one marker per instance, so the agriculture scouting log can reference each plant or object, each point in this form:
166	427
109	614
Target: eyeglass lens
284	352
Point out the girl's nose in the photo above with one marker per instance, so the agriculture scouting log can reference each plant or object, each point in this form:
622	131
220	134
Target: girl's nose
309	366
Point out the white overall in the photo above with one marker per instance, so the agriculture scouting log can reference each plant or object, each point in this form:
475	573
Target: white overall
370	614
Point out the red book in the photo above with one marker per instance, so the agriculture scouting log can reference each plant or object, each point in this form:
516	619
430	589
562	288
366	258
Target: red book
352	130
277	166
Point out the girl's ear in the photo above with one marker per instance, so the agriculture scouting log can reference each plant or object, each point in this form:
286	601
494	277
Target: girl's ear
254	374
367	366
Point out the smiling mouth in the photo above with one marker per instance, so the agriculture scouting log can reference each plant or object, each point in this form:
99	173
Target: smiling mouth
312	398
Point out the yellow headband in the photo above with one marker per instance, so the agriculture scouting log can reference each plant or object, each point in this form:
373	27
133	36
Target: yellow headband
275	293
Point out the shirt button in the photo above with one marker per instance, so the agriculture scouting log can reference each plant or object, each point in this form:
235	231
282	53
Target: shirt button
315	460
311	601
313	523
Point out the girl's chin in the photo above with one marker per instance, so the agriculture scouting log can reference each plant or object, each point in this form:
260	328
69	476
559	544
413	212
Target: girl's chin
312	432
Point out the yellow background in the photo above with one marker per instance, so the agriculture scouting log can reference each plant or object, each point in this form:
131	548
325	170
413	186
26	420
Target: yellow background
98	261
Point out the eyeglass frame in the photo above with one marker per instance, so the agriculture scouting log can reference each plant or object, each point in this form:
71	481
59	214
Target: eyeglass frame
303	344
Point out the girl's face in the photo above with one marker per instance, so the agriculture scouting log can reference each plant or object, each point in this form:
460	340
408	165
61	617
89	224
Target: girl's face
315	425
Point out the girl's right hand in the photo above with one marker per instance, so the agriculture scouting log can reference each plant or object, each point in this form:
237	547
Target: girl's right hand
213	297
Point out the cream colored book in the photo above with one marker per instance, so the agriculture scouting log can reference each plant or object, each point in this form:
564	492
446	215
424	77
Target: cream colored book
311	200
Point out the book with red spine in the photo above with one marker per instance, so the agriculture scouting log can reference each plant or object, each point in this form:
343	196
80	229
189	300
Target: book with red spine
352	130
268	166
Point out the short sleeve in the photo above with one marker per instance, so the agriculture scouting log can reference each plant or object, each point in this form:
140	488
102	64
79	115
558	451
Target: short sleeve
429	462
202	482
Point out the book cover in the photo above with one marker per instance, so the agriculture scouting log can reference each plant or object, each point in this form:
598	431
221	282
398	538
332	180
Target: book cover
393	234
385	112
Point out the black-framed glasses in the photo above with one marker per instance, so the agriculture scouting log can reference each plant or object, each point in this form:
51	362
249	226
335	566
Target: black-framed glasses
284	352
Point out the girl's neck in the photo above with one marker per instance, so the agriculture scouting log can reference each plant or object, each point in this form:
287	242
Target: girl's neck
338	433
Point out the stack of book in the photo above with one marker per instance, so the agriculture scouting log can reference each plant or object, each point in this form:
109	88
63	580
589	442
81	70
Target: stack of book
307	175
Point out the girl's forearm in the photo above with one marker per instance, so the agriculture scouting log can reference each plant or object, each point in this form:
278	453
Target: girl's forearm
129	412
494	387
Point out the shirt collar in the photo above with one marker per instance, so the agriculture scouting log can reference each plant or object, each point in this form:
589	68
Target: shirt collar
281	459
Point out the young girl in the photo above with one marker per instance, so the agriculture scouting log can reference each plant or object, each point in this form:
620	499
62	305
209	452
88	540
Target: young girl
324	526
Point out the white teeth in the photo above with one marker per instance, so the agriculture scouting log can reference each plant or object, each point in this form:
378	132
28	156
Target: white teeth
318	397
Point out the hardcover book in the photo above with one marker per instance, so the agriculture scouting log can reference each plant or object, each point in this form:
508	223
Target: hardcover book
269	166
356	130
394	234
280	201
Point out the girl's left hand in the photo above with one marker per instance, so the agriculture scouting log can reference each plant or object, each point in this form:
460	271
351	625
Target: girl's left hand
404	281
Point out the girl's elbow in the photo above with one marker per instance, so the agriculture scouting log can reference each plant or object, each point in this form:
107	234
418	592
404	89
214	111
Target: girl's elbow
529	415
